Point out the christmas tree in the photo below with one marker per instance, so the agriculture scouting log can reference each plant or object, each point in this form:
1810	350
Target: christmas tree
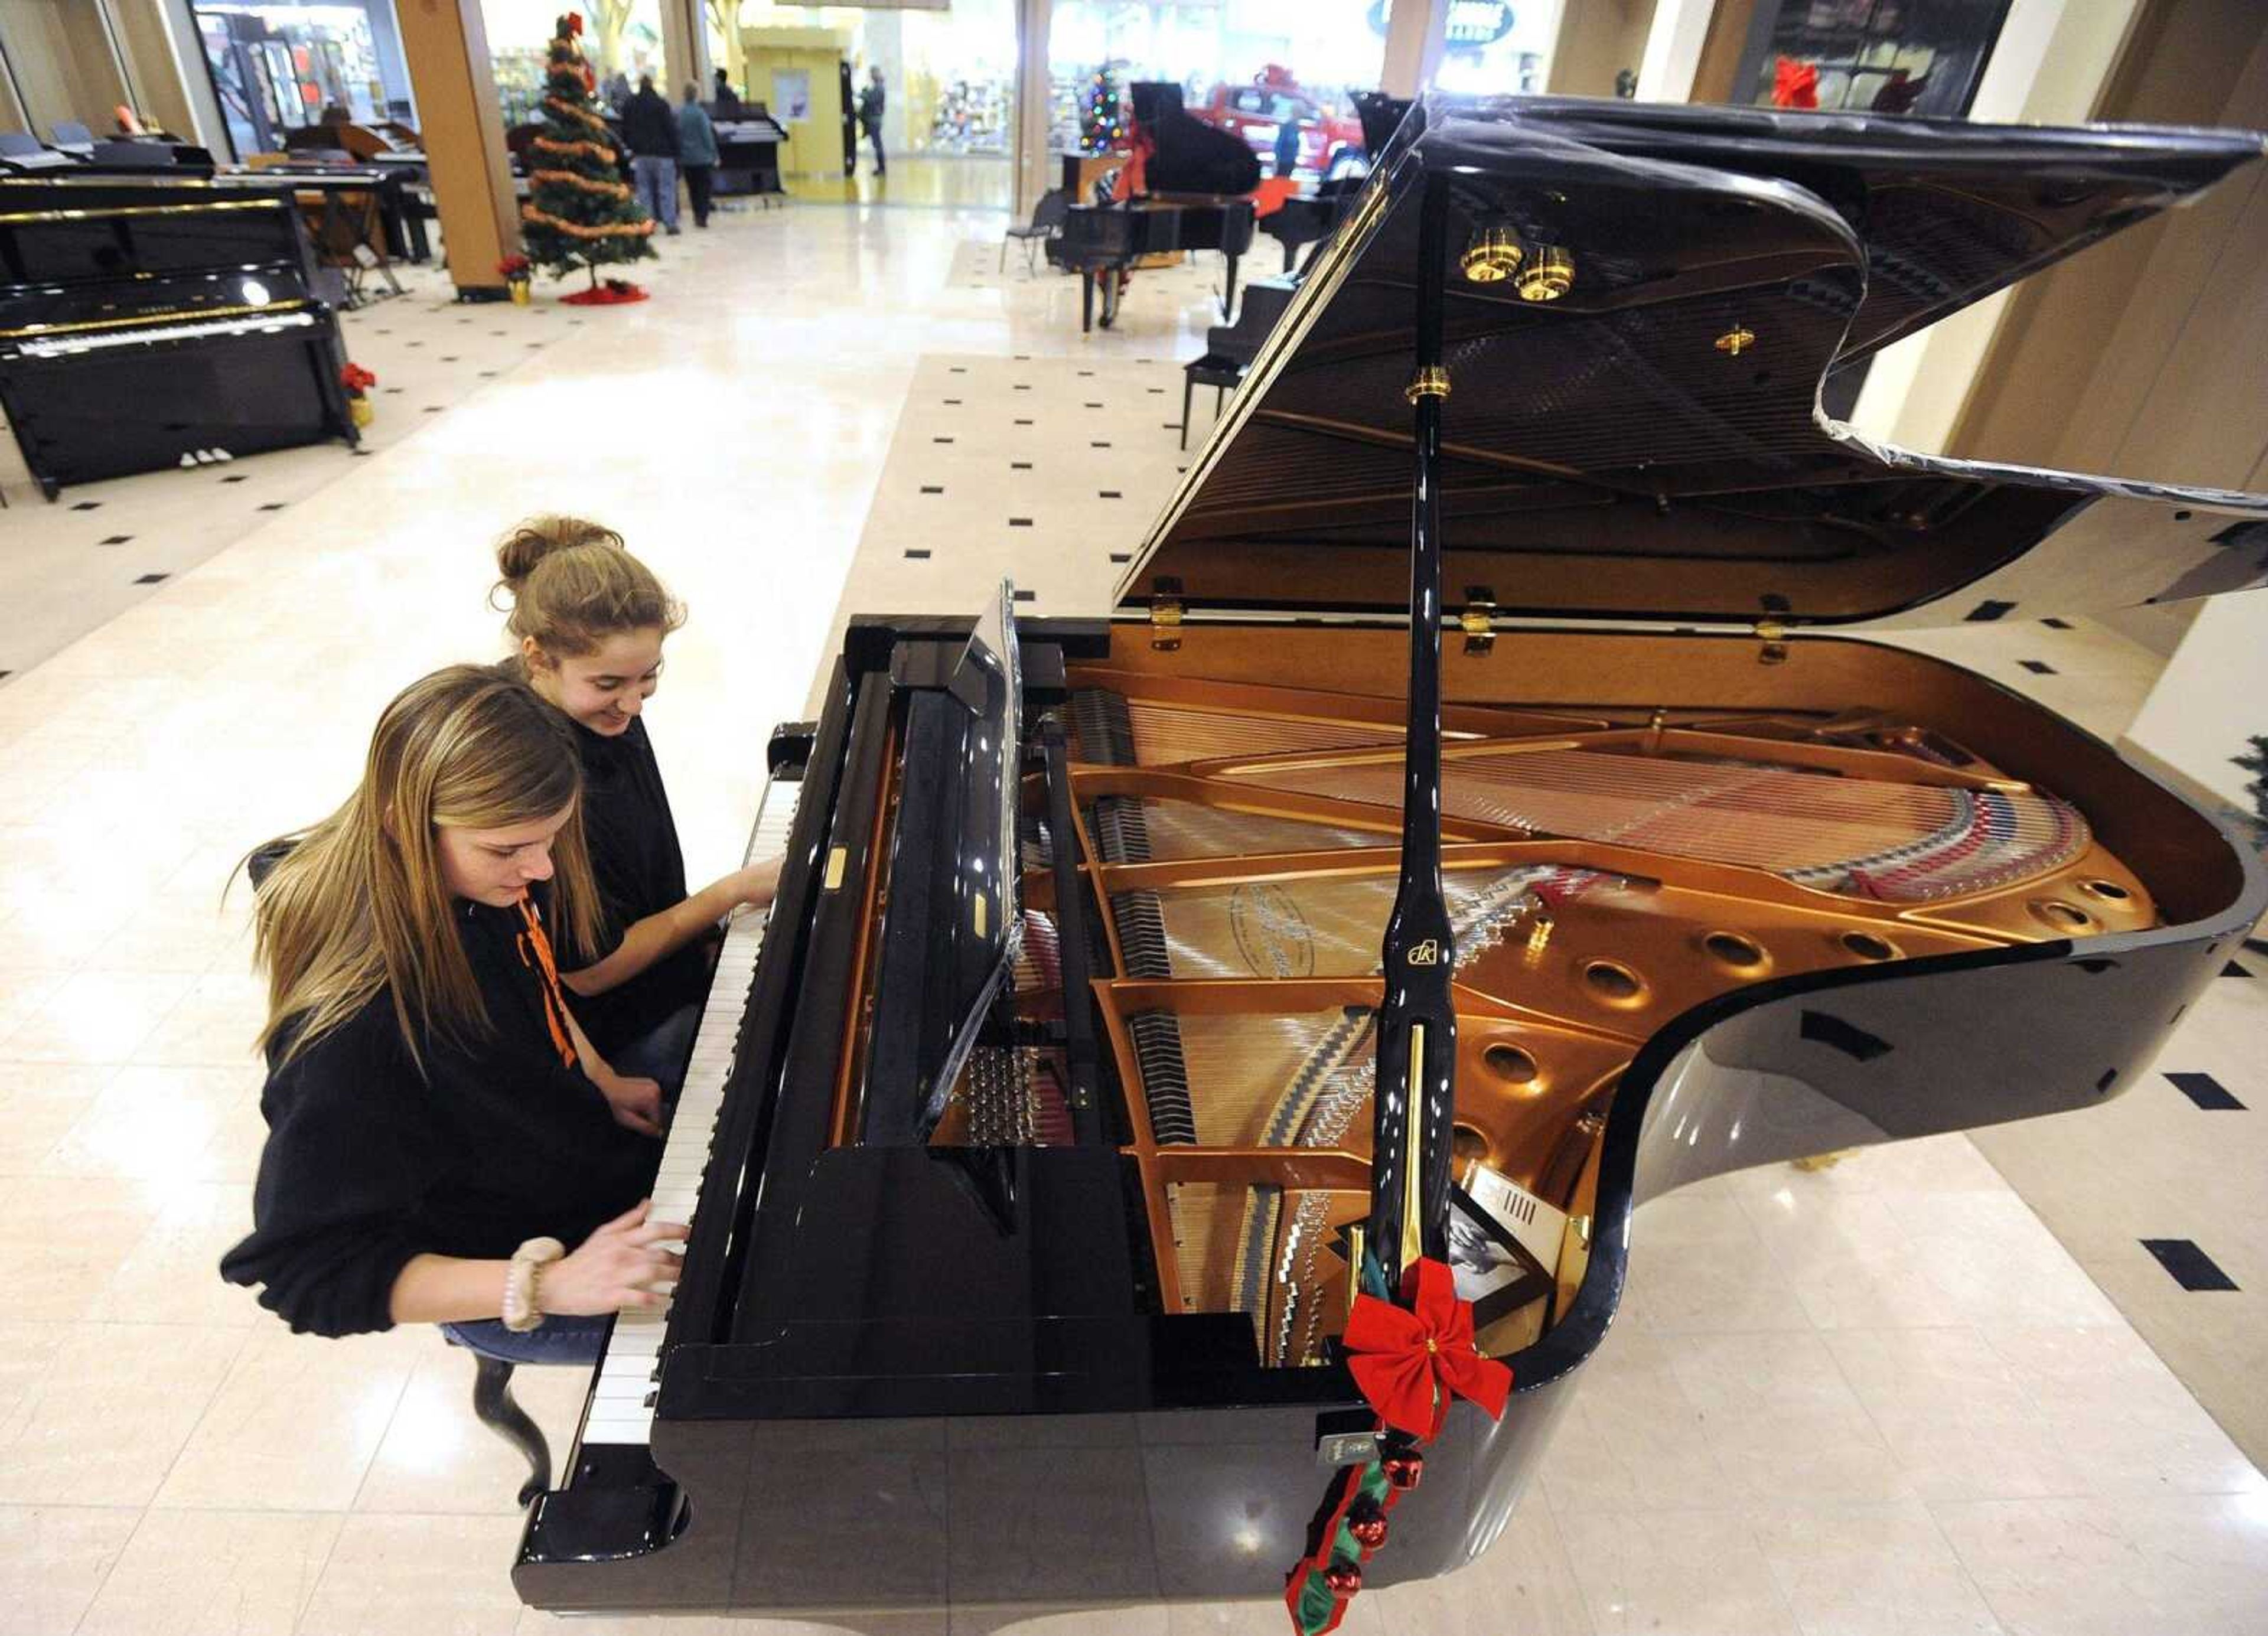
1101	129
581	213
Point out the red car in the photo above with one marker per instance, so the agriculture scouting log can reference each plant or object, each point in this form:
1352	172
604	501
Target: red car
1259	112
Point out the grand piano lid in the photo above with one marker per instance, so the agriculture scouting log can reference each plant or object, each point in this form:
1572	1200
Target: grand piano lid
1648	446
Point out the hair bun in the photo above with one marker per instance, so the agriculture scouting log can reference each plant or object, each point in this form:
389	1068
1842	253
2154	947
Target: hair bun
518	552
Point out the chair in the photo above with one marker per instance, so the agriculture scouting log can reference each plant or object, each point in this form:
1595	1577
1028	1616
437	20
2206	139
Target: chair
1046	221
1223	374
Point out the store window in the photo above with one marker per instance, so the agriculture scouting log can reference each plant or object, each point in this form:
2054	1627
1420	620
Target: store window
1491	48
278	68
948	84
621	42
1281	76
1882	56
62	65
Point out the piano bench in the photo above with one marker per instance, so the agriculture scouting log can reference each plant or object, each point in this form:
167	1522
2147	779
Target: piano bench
1223	374
496	1353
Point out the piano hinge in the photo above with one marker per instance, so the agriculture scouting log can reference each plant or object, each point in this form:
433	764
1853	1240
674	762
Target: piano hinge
1478	619
1773	636
1166	617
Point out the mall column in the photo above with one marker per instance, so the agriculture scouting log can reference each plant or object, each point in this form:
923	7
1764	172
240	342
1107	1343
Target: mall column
462	129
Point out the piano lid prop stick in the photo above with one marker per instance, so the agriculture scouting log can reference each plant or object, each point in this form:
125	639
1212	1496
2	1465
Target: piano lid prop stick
1409	1339
1414	1106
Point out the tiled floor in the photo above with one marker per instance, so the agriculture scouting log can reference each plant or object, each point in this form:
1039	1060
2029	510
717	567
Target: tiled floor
1882	1397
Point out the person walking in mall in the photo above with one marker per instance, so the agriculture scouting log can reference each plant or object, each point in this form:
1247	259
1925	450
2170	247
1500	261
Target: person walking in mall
650	129
696	151
870	117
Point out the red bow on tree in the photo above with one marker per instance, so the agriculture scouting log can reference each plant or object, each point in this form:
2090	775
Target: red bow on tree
574	23
1408	1362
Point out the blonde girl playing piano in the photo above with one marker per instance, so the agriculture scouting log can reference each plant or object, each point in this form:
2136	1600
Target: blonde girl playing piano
588	620
439	1125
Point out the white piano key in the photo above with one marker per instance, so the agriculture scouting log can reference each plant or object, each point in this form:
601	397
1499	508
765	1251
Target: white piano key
625	1381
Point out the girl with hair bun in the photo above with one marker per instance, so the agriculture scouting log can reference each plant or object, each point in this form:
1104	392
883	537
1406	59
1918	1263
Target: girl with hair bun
440	1128
589	619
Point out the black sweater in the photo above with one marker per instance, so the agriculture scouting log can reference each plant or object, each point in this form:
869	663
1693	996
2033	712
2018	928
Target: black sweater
640	872
368	1163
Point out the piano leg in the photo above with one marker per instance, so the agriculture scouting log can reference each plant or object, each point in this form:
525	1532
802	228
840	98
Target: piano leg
1228	297
1085	299
1291	253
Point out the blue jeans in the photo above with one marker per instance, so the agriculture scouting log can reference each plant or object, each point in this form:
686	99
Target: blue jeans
660	1054
572	1341
657	188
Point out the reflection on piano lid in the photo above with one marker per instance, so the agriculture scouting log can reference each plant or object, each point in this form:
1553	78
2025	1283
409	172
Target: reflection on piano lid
65	340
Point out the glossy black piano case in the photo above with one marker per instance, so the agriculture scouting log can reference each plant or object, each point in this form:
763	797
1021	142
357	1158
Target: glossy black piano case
901	1405
144	324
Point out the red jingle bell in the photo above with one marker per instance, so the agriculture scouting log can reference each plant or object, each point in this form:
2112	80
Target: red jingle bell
1403	1470
1344	1577
1369	1529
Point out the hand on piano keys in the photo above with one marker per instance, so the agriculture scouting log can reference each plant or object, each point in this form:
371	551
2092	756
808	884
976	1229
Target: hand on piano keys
628	1264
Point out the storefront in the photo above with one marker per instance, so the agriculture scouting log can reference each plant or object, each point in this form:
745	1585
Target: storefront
278	67
622	39
1281	76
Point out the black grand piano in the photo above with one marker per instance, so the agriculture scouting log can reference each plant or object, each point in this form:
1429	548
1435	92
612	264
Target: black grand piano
1027	1147
1197	183
149	324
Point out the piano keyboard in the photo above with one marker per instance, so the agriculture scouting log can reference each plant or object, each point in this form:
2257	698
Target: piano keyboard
621	1397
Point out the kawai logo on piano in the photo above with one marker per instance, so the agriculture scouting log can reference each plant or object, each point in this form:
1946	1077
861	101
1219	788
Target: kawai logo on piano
1426	953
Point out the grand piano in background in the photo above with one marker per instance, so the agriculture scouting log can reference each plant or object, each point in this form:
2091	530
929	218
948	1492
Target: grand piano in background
144	323
1196	195
1020	1142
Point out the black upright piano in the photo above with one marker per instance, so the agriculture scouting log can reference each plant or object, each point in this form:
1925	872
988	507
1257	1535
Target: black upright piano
149	324
747	151
1025	1145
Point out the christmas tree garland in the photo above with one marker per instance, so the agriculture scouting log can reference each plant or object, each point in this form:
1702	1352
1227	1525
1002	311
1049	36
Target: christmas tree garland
575	230
612	189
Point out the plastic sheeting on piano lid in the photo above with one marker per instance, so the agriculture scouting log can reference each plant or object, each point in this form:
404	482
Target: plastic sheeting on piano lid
1639	437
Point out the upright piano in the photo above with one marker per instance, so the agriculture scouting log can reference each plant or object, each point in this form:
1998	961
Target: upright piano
1025	1144
147	324
747	151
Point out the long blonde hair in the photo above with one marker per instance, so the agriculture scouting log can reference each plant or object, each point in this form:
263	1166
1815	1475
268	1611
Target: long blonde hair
357	904
572	584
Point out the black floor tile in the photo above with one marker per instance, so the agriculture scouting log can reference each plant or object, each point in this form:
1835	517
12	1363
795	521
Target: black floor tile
273	506
87	505
2057	624
149	579
2205	1091
932	488
2232	970
2191	1268
2037	667
118	539
916	554
236	477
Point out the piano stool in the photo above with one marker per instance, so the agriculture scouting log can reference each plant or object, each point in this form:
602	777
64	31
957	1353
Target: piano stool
1223	374
493	1405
